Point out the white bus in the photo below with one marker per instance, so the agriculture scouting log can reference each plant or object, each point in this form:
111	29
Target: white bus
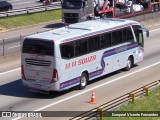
71	56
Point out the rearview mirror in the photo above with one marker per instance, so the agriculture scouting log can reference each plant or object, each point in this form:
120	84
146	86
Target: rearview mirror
146	30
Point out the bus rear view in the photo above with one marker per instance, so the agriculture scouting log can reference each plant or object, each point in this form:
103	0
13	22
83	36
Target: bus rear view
80	53
38	66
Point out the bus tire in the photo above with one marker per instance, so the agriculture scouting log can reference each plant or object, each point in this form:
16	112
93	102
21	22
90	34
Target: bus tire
83	81
129	64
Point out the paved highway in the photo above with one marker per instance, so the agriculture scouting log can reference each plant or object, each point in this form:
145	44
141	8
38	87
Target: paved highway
17	4
25	7
23	3
13	94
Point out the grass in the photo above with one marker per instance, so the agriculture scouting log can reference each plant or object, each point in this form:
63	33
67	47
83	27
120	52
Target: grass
145	103
31	19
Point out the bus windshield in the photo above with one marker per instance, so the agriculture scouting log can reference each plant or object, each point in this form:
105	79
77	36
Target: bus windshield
72	4
36	46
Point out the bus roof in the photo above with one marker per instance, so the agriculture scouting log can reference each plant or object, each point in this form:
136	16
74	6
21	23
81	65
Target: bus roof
84	29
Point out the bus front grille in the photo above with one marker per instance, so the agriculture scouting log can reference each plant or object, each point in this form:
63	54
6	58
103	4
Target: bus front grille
37	62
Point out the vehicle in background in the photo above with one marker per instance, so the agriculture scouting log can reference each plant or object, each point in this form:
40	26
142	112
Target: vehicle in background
133	7
71	56
74	11
5	6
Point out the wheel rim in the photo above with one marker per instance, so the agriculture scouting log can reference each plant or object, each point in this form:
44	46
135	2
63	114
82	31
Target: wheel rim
129	64
83	81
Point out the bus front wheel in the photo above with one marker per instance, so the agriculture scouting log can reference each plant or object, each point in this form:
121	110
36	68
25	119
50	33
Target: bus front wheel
129	64
83	81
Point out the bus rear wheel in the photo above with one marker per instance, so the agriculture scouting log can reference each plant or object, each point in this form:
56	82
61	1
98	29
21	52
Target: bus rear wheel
129	64
83	81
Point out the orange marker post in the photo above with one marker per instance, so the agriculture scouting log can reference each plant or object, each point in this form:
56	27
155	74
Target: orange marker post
93	99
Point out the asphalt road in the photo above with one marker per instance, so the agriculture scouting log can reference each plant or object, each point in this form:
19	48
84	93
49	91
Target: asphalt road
13	94
21	7
24	3
17	4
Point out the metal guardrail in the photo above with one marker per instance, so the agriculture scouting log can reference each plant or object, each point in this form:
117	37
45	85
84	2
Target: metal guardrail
29	10
5	48
113	104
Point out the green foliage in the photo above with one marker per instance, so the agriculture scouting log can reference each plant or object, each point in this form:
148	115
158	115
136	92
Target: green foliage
31	19
144	103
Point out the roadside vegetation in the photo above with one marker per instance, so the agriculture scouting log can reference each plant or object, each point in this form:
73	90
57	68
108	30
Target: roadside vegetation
31	19
144	103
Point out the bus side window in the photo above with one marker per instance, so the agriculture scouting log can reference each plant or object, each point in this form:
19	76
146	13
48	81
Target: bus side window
130	34
127	34
81	47
105	40
116	37
84	46
124	35
67	50
108	39
77	48
94	43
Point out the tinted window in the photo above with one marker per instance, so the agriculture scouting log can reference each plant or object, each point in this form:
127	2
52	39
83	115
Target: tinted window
81	47
94	43
136	32
36	46
72	4
105	40
84	46
116	37
67	50
127	34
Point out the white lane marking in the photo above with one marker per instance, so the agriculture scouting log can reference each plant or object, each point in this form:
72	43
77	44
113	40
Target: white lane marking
93	88
154	30
14	46
10	71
